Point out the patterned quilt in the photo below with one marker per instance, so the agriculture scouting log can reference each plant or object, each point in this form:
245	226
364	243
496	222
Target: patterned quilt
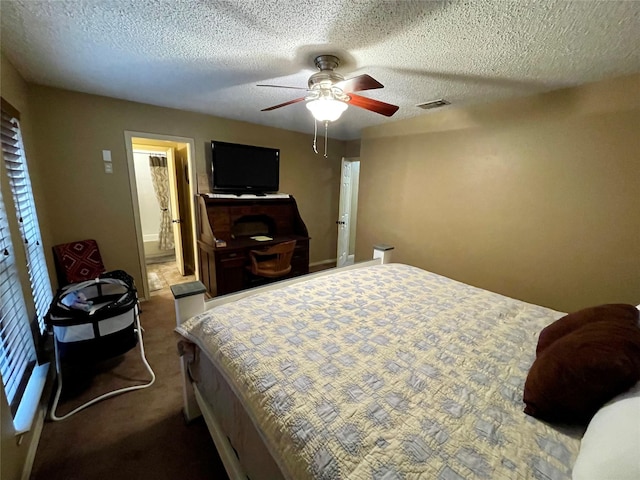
388	372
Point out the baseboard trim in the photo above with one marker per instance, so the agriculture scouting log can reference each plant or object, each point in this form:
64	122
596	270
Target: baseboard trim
37	427
323	262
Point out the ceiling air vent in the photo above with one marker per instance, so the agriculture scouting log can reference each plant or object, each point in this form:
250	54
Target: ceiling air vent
433	104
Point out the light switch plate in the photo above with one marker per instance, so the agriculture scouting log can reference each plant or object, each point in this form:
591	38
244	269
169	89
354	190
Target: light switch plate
106	155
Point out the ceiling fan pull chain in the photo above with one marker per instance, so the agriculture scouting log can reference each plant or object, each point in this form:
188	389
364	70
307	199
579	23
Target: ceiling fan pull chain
326	133
315	135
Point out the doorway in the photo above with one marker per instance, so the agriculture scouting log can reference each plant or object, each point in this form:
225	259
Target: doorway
347	215
161	173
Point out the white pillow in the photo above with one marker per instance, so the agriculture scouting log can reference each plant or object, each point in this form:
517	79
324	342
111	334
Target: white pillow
610	448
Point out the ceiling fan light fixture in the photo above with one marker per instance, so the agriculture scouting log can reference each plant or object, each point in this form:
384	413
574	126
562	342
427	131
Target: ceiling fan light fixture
326	109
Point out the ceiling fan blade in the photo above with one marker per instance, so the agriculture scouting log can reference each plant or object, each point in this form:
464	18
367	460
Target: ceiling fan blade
295	100
283	86
359	83
377	106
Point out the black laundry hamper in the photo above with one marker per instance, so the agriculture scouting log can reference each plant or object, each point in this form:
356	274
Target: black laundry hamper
93	321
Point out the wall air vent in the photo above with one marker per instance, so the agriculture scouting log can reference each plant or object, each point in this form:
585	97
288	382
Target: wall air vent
433	104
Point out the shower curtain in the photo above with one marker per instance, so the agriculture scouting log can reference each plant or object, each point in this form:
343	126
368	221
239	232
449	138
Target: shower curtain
160	180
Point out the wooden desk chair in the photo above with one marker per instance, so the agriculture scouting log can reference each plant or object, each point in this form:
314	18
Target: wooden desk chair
273	262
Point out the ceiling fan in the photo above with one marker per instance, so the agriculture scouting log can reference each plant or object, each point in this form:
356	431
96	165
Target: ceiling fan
329	94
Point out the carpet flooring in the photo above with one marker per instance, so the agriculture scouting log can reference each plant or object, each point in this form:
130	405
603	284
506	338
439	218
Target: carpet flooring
137	435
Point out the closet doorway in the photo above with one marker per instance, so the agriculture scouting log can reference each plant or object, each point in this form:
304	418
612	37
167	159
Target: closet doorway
161	170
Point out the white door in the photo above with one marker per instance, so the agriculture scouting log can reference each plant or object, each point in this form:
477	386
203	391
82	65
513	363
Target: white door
174	207
346	215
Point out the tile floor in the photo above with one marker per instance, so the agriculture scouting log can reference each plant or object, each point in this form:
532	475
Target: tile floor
168	275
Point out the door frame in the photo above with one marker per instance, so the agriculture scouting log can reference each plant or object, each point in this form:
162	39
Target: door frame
128	137
174	203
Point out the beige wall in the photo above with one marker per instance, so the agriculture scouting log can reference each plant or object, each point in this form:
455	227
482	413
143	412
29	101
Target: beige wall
352	148
72	129
536	198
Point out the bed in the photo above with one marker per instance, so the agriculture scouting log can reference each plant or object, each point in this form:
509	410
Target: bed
376	371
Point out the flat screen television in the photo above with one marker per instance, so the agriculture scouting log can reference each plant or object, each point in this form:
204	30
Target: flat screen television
237	168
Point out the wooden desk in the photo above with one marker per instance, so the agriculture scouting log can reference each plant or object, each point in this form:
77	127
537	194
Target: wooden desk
235	220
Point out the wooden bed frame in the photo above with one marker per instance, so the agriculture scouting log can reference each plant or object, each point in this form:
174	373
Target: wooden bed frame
190	301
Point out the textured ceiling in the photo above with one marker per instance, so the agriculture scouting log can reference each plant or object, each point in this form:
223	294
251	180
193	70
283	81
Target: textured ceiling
208	56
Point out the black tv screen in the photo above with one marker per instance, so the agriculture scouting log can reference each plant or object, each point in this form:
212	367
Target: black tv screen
240	168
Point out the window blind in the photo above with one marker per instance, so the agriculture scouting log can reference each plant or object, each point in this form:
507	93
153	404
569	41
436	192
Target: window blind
17	351
16	166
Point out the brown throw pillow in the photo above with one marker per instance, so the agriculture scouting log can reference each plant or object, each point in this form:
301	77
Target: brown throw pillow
618	312
582	371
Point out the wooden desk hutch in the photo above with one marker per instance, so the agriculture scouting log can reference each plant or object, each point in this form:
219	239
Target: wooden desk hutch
235	220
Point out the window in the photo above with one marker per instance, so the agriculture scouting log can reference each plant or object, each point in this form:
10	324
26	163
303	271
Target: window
17	352
15	163
23	380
